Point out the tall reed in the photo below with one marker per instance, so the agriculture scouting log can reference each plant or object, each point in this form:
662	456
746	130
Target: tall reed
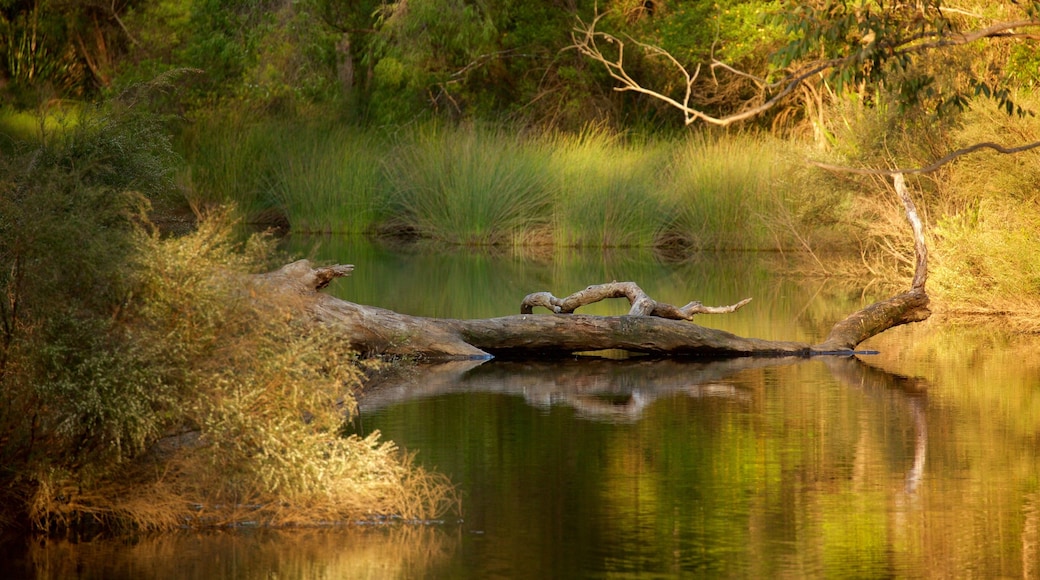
719	190
329	179
480	185
473	185
229	163
608	191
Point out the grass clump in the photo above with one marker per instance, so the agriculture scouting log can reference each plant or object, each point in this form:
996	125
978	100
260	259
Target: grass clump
732	192
480	186
608	192
472	186
146	382
229	162
329	179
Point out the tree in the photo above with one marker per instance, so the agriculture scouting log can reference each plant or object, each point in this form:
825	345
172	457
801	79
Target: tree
69	47
862	46
926	58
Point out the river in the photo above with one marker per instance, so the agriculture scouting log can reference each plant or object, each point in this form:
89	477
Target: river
919	461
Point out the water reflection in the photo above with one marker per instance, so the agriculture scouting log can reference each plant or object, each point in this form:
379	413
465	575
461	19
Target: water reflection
460	283
761	467
379	553
918	462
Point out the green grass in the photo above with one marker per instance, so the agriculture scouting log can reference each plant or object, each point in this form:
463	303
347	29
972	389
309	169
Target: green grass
472	185
29	126
608	193
721	190
231	162
330	180
480	185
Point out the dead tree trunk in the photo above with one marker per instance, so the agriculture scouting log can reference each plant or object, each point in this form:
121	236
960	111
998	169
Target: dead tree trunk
650	327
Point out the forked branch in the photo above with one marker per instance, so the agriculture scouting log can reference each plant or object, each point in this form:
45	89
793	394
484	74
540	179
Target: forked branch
587	40
642	304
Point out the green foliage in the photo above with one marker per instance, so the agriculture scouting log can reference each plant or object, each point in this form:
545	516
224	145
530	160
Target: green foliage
231	160
37	51
140	374
264	55
908	49
330	179
67	211
988	221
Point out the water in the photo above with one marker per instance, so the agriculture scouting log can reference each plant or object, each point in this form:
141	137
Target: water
917	462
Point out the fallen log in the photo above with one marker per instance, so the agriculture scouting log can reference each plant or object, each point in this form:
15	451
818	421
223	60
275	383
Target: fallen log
650	327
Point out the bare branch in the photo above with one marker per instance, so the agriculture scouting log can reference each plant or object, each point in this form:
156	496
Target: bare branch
934	166
641	303
585	39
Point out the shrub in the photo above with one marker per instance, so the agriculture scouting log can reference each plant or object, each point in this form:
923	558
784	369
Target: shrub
144	382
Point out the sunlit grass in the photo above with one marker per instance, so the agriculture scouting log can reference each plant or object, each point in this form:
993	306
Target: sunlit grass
29	126
470	185
608	192
989	222
479	185
724	190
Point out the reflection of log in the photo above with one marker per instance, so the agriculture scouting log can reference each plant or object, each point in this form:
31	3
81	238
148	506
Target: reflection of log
650	327
856	374
601	389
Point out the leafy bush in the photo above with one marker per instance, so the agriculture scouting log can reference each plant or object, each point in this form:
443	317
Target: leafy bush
146	381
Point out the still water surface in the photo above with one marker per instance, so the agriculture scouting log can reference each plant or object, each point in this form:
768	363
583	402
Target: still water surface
921	461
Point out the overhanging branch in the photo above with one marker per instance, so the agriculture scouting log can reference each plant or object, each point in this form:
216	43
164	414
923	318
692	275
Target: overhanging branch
585	39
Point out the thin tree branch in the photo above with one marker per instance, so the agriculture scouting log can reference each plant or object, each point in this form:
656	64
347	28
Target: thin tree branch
585	41
934	166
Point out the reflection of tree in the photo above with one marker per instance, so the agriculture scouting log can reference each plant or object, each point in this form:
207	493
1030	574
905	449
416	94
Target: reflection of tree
854	373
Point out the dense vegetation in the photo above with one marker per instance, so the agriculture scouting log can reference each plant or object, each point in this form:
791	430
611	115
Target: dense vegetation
143	382
458	121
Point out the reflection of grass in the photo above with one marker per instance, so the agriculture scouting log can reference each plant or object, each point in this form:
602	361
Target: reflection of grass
986	371
344	552
428	281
